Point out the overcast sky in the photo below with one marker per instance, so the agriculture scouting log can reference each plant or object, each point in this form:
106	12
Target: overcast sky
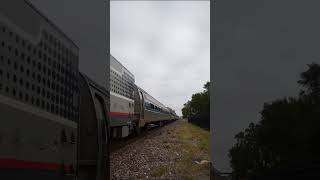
165	45
260	47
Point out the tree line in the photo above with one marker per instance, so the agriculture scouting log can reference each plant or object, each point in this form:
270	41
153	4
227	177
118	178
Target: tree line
287	135
197	110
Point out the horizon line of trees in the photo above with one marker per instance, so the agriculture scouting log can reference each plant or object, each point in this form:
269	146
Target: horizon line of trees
287	134
197	110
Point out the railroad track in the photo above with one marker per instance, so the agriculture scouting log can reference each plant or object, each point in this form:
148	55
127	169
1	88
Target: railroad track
152	130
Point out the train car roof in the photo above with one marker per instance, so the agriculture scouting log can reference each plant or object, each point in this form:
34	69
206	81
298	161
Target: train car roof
154	100
115	60
51	23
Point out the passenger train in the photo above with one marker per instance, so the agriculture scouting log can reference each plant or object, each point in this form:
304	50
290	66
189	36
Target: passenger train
56	122
131	108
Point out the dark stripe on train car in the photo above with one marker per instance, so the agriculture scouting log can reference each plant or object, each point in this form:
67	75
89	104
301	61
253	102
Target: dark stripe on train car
23	164
33	174
119	114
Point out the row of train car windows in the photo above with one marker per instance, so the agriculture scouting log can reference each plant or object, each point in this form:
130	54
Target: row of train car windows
57	66
57	76
125	90
51	42
46	83
40	92
124	81
151	106
119	78
39	102
121	93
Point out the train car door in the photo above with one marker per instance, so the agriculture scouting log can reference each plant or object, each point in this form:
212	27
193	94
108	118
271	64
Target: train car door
103	160
93	147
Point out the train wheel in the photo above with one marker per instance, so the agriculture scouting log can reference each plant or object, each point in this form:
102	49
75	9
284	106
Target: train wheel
138	131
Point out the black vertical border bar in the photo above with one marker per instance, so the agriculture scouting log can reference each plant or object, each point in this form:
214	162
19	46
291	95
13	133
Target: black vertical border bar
212	5
107	6
107	3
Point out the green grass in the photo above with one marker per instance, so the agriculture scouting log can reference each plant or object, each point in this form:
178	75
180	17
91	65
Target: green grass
191	143
160	171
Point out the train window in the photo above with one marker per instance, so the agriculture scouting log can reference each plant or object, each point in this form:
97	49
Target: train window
21	81
22	56
45	35
17	39
26	97
48	106
23	43
16	52
15	66
45	47
39	78
57	110
39	66
34	51
14	78
43	93
14	92
49	61
38	102
52	108
20	95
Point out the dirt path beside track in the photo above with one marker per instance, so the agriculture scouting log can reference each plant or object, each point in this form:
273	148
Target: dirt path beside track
178	150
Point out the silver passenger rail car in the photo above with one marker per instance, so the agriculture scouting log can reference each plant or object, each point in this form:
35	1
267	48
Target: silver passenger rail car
148	110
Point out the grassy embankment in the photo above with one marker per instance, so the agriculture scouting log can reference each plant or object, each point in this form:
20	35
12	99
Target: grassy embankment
191	145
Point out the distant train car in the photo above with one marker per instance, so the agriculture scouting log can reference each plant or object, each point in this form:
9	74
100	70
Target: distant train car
148	110
121	99
54	122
